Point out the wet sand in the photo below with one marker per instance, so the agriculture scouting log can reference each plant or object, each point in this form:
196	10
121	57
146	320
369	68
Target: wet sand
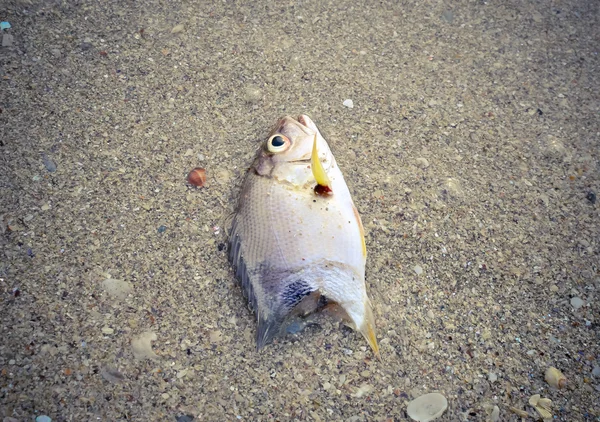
472	152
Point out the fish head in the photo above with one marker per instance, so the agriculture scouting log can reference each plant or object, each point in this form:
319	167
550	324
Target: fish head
286	154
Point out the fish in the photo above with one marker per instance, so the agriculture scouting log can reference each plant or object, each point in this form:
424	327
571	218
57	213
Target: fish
297	242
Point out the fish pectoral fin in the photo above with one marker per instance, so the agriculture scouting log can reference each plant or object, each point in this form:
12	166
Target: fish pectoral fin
323	183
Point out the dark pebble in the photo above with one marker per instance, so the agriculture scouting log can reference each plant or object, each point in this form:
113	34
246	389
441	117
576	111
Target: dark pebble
591	196
50	165
162	229
184	418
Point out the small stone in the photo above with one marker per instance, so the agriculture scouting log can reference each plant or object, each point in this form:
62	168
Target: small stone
448	16
7	40
107	330
363	390
188	153
430	314
43	418
596	371
142	346
427	407
162	229
49	163
348	103
45	207
577	302
177	29
184	418
112	375
492	377
252	94
117	289
495	415
418	270
215	336
591	196
422	162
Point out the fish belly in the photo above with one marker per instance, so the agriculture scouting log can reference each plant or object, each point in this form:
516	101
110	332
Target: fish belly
286	243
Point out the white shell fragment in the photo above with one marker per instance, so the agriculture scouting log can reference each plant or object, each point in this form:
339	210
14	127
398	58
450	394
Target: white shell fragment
427	407
117	289
142	346
555	378
541	405
348	103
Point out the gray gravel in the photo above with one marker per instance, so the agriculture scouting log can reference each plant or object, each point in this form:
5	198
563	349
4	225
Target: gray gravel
472	150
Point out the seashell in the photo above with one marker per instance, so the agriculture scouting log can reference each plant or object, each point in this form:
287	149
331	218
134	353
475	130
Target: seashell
541	405
545	414
521	413
427	407
533	400
197	177
545	403
555	378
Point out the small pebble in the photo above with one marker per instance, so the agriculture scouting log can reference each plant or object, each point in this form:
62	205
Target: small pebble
418	270
48	163
596	371
492	377
111	374
43	418
252	94
448	16
422	162
107	330
142	346
348	103
117	289
184	418
591	196
577	302
7	40
495	415
162	229
177	29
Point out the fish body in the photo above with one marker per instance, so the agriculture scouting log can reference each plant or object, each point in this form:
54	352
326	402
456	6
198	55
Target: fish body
293	249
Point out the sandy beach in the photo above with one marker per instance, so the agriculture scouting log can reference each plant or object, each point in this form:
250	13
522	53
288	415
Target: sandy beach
471	148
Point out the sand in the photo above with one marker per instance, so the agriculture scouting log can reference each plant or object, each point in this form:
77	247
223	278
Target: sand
472	151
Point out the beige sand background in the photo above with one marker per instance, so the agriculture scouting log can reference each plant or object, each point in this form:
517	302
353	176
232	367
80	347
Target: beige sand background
472	152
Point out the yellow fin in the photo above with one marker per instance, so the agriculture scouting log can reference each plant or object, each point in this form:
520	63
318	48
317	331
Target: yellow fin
368	330
361	229
317	168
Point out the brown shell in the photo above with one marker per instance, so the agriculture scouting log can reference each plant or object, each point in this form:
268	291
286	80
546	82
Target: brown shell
197	177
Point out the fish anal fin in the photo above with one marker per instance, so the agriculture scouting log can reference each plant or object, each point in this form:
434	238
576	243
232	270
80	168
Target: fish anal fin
268	328
367	329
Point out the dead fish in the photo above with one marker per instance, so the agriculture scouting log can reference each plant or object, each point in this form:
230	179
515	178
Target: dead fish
297	240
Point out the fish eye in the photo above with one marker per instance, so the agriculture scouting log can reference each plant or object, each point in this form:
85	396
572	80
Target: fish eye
278	143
